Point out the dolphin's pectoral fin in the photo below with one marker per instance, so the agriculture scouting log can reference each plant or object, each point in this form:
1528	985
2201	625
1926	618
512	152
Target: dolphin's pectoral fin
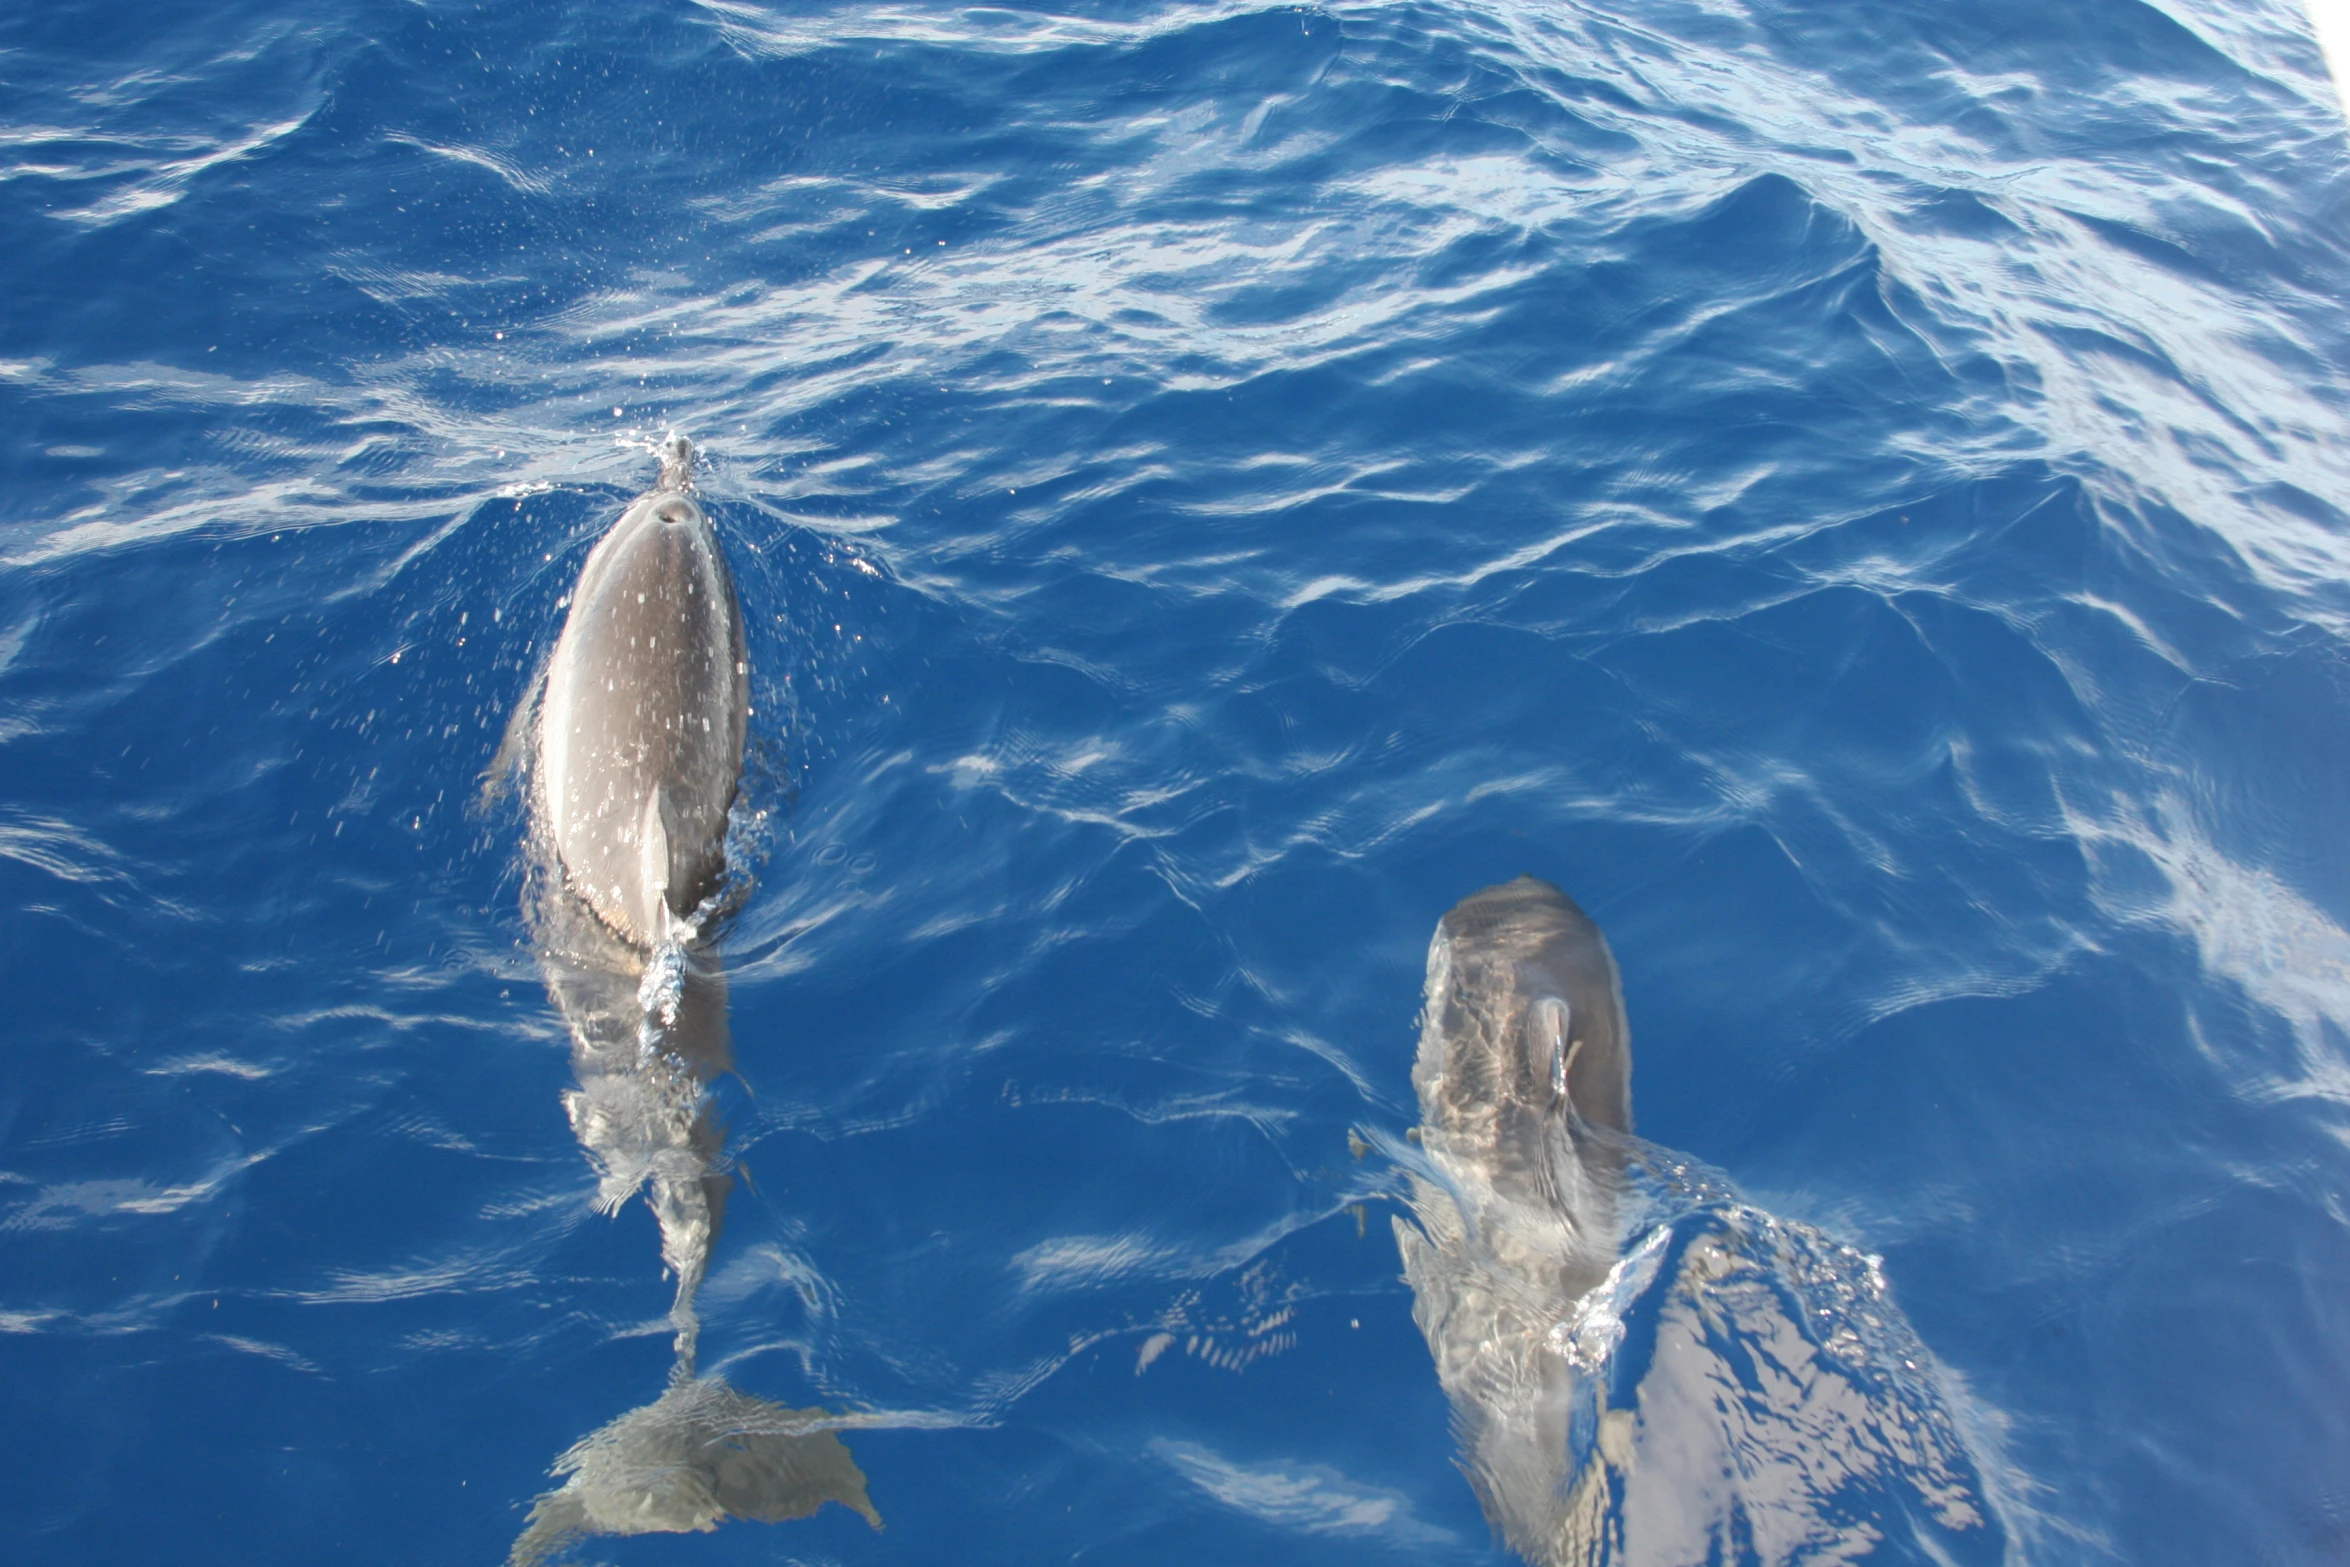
613	1189
514	745
620	1121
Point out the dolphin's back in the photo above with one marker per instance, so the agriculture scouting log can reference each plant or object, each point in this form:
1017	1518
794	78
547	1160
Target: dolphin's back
1523	1002
641	725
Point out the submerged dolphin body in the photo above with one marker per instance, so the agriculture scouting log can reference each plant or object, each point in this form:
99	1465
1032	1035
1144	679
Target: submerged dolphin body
1642	1368
636	751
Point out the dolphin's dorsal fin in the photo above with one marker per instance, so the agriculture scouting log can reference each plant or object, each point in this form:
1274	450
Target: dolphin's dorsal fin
652	849
678	461
1553	1020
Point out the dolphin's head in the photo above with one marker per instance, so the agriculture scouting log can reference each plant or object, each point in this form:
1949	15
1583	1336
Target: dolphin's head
1524	1024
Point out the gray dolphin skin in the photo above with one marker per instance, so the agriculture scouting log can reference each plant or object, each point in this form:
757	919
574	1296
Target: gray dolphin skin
635	756
1526	1032
1524	1078
1641	1367
640	732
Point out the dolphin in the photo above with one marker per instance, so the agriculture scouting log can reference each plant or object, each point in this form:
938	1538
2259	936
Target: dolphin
635	737
1526	1035
1524	1078
640	730
1642	1368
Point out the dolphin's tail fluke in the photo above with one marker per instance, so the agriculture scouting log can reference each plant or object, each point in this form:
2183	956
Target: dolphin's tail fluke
701	1454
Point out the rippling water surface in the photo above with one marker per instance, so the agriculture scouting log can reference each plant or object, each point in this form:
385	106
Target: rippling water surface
1852	493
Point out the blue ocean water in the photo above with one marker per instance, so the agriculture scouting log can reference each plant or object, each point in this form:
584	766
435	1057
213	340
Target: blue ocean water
1854	494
